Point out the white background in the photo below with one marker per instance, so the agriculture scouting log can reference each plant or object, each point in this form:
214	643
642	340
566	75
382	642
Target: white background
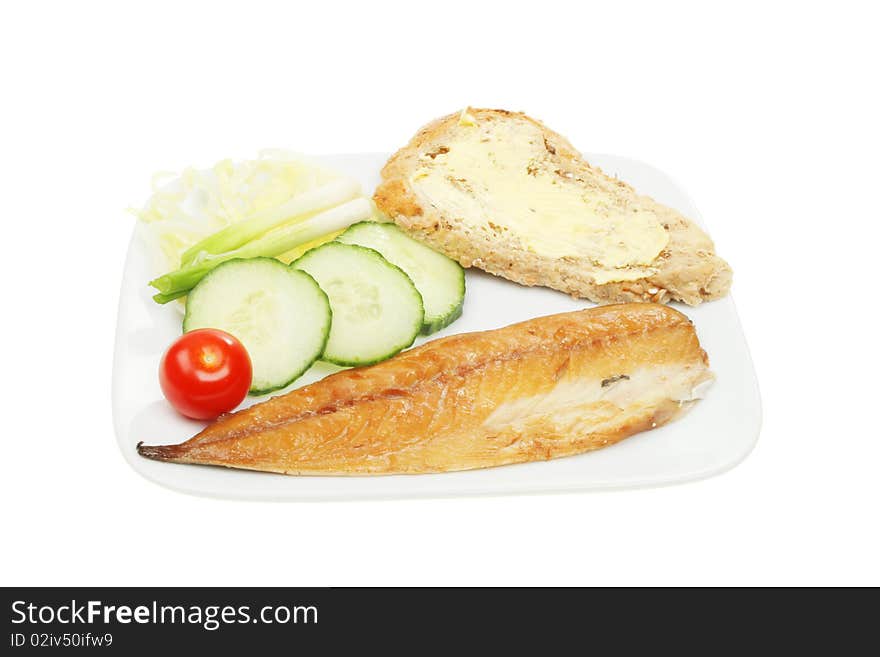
767	114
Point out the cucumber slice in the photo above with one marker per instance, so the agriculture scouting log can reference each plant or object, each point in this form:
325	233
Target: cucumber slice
440	280
377	311
280	315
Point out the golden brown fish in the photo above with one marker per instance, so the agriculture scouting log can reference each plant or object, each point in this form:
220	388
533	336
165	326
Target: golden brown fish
548	387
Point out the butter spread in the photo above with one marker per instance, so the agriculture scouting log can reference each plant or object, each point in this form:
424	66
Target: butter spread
466	118
499	176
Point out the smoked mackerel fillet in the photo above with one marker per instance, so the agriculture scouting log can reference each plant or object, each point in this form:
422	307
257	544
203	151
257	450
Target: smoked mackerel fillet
545	388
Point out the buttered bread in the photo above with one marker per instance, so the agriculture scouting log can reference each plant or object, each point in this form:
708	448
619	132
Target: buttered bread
498	190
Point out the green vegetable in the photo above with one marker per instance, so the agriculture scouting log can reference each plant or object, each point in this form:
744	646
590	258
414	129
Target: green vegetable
308	203
377	311
280	315
440	280
178	283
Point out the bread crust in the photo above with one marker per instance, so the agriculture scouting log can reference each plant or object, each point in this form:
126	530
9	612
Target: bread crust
687	269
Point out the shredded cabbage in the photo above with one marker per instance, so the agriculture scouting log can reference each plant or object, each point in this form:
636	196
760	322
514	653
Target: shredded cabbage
187	207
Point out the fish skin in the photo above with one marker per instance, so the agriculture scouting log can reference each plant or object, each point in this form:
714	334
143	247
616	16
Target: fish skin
537	390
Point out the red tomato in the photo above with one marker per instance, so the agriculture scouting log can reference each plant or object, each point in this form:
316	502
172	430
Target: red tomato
205	372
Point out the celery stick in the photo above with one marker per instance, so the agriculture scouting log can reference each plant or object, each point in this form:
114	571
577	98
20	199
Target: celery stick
177	283
300	206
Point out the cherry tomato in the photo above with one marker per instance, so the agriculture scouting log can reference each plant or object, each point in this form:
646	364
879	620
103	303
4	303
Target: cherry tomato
205	373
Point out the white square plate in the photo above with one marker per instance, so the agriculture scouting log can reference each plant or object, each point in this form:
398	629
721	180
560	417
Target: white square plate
714	436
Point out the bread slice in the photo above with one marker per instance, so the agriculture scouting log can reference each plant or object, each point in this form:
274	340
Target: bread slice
500	191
